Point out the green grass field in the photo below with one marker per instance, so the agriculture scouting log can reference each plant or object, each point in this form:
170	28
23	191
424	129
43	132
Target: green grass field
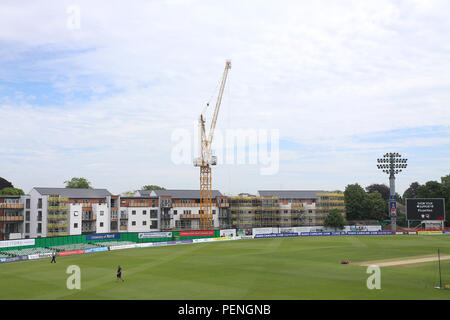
290	268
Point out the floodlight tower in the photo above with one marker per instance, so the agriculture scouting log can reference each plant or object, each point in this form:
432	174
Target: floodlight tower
392	163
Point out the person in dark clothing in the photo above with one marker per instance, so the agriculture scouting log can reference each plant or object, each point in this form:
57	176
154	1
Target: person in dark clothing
119	273
53	257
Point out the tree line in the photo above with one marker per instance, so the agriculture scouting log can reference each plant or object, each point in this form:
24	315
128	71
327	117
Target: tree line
372	203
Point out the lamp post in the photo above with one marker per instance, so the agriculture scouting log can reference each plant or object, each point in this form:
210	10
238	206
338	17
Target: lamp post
392	163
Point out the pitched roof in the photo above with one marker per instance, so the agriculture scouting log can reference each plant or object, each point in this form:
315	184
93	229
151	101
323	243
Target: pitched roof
291	194
75	193
179	194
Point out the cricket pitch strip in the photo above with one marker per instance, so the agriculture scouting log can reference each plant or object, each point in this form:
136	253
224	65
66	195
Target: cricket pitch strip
405	261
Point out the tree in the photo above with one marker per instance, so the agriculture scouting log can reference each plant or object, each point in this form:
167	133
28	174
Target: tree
128	193
5	184
11	192
411	192
78	183
152	187
431	189
383	189
354	196
334	220
376	206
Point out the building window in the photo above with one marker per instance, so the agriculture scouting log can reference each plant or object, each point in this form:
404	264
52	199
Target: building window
144	223
85	201
133	223
214	211
27	227
133	212
27	215
101	213
154	225
174	212
101	224
39	217
154	214
153	203
39	228
75	225
123	201
75	213
144	212
27	203
100	201
39	204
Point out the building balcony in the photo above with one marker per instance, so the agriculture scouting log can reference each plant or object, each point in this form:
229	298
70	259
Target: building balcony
56	216
167	216
124	217
56	234
11	205
190	216
89	218
136	205
58	208
186	204
11	218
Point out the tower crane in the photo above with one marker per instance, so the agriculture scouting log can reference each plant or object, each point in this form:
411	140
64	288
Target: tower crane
205	159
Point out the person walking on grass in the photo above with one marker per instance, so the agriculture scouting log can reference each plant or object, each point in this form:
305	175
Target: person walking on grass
53	257
119	273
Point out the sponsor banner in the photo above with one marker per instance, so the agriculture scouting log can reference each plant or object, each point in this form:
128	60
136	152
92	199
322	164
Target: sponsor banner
146	235
228	233
244	232
109	236
223	239
329	233
17	243
163	243
429	232
265	230
412	232
144	245
446	232
95	249
13	259
276	235
124	246
184	241
39	256
369	233
202	240
196	233
399	232
66	253
237	238
246	237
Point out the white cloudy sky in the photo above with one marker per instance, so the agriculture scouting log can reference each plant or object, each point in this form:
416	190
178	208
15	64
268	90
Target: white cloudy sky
343	81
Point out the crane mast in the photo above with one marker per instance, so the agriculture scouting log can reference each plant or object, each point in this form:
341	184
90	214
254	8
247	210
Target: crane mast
206	160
